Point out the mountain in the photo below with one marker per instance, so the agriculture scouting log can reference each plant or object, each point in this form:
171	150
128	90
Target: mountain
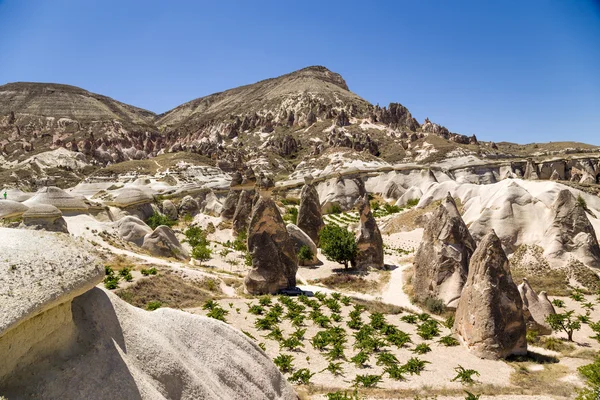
285	125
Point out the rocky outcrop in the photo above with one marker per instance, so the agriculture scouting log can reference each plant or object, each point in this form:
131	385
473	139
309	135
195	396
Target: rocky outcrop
230	204
274	261
369	243
536	308
132	229
189	206
243	211
531	171
340	191
310	219
301	239
58	334
412	194
11	209
44	217
571	231
441	264
163	242
47	270
489	317
285	145
358	141
170	210
58	198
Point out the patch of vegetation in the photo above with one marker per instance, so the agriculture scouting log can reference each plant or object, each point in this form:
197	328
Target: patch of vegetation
304	254
157	219
367	381
591	374
448	341
153	305
151	271
302	376
284	362
422	348
564	322
464	376
435	305
291	215
111	281
415	365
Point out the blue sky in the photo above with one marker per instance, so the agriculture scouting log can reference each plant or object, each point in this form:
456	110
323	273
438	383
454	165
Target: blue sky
521	71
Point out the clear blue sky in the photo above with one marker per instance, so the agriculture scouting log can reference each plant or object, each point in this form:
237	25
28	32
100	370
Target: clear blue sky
519	71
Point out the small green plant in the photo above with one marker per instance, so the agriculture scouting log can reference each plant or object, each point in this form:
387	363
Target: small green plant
395	372
360	359
342	396
291	215
564	322
292	343
247	259
275	334
335	368
367	381
386	359
449	322
596	328
153	305
335	209
336	352
581	202
428	329
209	304
411	203
448	341
552	343
302	376
284	362
299	333
321	340
464	376
577	295
265	301
151	271
111	282
399	338
345	300
558	303
471	396
591	374
248	334
422	348
409	318
414	366
218	313
262	346
377	320
255	309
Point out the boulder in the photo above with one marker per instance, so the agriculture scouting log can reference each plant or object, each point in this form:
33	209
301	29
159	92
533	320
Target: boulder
300	238
369	242
236	179
163	242
210	204
571	231
189	206
536	308
230	204
11	209
555	176
170	210
340	191
132	229
47	270
58	198
441	264
243	211
44	217
130	197
531	171
413	193
274	262
489	317
310	219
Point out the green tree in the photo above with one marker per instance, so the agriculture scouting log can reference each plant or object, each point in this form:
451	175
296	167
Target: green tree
338	244
564	322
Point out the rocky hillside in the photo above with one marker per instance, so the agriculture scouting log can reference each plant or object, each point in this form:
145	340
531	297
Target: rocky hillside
281	126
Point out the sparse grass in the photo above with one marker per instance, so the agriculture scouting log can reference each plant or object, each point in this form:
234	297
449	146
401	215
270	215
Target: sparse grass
548	380
171	290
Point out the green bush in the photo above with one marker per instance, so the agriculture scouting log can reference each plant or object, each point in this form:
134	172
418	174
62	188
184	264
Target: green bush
435	305
153	305
302	376
422	348
415	366
304	254
409	318
338	244
448	341
218	313
196	236
464	376
151	271
367	381
360	359
201	253
428	329
284	362
157	219
591	373
564	322
335	209
291	215
412	203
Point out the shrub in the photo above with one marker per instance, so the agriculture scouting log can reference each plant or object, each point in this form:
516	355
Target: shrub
239	244
195	236
386	359
377	320
336	317
345	300
321	340
218	313
435	305
338	244
367	381
255	309
415	366
395	372
111	282
409	318
591	373
157	219
265	300
302	376
428	329
248	259
596	328
153	305
284	362
581	202
422	348
558	303
304	254
448	341
292	343
465	376
412	203
335	209
336	352
275	334
399	338
291	215
209	304
360	359
564	322
201	253
151	271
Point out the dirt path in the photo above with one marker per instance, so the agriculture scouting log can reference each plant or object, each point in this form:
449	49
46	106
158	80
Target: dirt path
394	292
